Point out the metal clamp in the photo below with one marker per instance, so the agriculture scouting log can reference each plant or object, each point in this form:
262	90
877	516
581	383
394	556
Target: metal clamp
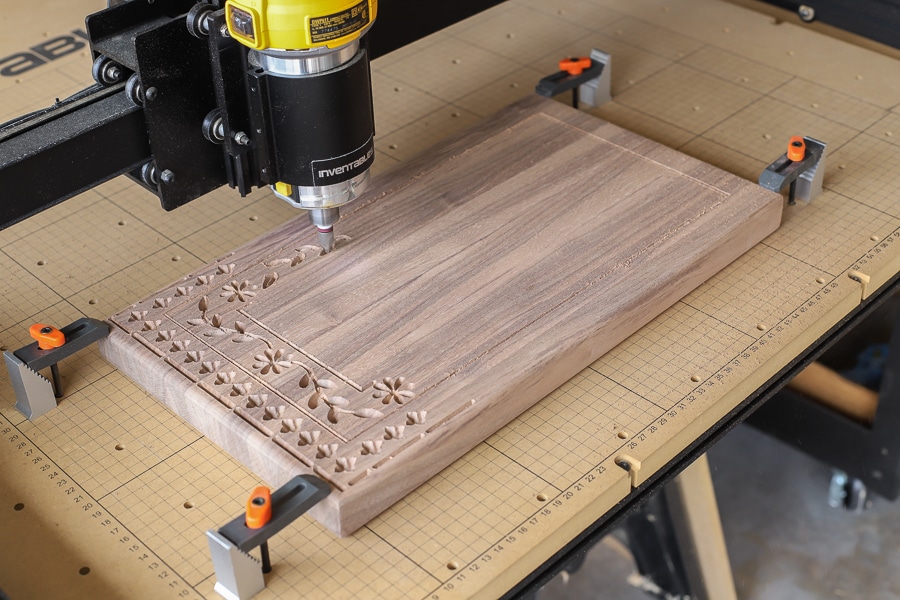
35	394
239	576
591	86
803	176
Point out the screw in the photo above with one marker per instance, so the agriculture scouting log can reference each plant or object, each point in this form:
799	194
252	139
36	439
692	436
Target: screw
167	176
241	138
807	13
223	31
150	93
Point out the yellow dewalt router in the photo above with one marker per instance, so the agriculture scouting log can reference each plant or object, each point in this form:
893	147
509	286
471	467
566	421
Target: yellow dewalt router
307	53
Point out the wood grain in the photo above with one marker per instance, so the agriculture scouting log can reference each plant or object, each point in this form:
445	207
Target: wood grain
471	283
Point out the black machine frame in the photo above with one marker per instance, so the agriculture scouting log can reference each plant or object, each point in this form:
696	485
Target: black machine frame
147	114
877	20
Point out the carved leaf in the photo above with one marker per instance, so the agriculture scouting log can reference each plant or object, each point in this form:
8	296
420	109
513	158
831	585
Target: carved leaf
240	339
308	438
338	401
333	414
165	336
290	425
277	262
196	322
241	389
256	400
208	366
150	325
179	345
327	384
326	450
345	463
183	291
416	418
194	356
270	279
162	302
205	279
216	320
273	412
304	381
371	447
367	413
203	305
240	327
225	269
392	432
137	315
215	333
314	400
225	377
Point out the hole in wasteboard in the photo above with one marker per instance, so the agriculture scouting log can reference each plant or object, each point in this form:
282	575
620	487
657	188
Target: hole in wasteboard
695	378
820	280
456	61
254	218
176	258
120	447
393	146
122	223
189	504
84	570
397	89
41	263
542	497
18	506
453	565
622	435
875	238
761	326
92	301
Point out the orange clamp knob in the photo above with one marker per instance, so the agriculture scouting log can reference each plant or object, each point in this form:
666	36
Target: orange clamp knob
47	336
796	149
575	66
259	507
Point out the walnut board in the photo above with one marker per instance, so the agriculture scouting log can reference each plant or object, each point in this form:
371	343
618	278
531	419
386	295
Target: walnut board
470	284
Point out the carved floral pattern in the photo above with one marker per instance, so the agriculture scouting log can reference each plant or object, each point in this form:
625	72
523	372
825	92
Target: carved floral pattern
393	389
258	396
238	291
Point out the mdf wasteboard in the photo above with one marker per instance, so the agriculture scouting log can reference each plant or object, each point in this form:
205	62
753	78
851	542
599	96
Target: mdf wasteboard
465	287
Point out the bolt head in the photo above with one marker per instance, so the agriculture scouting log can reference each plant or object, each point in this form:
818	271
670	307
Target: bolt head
151	93
167	176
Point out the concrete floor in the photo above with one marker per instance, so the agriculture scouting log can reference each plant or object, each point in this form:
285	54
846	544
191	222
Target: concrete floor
784	541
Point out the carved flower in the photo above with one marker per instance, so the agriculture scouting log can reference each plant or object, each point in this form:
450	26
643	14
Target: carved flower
416	417
309	437
238	291
393	389
272	360
345	463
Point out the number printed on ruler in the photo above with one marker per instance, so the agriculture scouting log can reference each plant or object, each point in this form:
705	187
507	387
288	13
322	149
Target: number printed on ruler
71	492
